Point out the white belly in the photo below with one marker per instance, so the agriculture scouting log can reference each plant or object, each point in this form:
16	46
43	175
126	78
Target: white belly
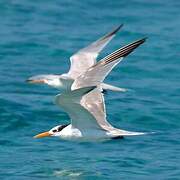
73	133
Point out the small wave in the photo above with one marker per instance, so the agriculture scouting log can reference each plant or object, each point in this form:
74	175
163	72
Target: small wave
69	173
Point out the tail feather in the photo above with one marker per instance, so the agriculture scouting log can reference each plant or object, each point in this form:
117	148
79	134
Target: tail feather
112	88
119	132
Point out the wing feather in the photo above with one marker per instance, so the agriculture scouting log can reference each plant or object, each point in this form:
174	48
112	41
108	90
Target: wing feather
86	57
85	107
81	118
94	103
97	73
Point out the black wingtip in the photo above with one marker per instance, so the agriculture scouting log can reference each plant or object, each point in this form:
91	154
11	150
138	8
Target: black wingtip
114	31
143	39
140	41
117	29
123	52
132	46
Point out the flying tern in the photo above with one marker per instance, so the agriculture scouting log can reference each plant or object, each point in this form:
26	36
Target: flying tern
80	62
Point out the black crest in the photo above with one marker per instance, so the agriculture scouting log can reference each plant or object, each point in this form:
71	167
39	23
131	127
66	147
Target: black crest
62	127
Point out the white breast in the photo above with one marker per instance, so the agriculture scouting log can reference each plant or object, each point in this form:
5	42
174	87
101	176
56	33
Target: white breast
70	132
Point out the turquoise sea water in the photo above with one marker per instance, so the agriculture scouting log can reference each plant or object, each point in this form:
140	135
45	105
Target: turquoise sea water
38	37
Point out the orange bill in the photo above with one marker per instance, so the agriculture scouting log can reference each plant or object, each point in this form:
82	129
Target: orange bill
37	81
42	135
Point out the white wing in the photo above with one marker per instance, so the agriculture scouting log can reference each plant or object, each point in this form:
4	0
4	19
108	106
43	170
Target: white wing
86	57
86	109
81	118
94	103
97	73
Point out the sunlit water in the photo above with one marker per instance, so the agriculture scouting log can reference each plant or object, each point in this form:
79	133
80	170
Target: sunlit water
39	37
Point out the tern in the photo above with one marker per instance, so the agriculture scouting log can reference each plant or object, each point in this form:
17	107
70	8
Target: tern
85	102
80	62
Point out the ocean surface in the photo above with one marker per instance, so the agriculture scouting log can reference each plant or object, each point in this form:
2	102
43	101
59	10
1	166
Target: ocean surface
38	37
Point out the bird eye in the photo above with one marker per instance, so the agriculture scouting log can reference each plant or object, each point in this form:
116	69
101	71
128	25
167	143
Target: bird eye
54	130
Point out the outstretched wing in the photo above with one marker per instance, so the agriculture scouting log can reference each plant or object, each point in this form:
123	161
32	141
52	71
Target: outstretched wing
94	103
97	73
70	102
86	57
85	107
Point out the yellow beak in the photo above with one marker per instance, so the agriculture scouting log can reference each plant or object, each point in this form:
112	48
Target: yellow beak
38	81
42	135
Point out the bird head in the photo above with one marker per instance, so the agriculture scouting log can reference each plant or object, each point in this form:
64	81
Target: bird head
51	80
55	131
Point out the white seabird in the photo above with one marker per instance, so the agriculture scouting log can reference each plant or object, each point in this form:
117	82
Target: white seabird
80	62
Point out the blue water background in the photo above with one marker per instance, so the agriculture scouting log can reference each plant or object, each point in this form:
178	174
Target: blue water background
38	37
